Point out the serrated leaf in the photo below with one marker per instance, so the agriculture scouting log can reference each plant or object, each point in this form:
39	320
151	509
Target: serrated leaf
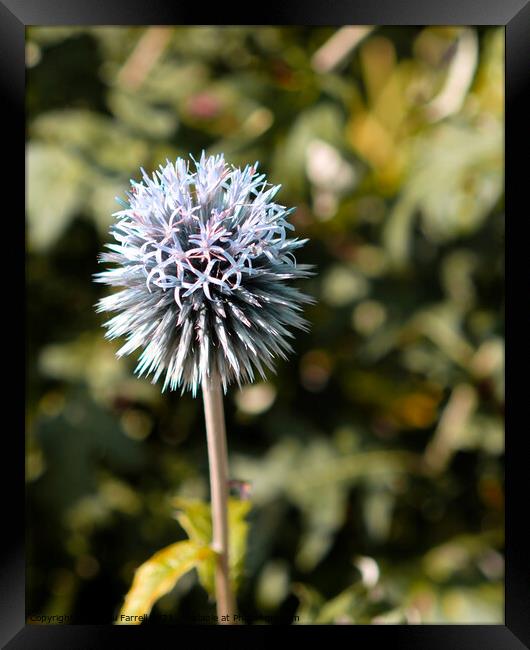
195	517
156	577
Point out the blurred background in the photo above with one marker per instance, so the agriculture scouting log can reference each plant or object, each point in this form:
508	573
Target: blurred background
375	455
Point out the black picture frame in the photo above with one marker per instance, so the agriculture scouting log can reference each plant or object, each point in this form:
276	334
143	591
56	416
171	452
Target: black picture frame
15	15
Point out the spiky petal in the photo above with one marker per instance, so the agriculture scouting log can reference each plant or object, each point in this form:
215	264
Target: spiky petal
203	261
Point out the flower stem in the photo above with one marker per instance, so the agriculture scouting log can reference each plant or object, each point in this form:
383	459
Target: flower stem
218	460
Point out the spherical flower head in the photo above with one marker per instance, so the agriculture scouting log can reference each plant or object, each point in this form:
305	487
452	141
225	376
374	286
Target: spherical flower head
203	261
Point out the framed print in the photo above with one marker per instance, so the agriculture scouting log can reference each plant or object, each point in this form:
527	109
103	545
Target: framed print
265	333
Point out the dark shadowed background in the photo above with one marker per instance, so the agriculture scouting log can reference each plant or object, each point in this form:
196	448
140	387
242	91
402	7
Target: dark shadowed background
375	454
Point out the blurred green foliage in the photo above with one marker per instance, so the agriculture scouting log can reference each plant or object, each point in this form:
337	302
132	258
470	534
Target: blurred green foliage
375	455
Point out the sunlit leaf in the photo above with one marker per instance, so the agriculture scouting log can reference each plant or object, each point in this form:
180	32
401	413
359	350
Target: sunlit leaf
238	525
158	576
194	516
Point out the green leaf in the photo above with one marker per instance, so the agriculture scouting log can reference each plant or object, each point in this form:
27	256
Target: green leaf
311	602
57	189
346	607
195	517
156	577
238	526
103	143
141	116
343	608
455	181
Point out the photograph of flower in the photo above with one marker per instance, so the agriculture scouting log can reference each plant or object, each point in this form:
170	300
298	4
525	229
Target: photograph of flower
265	296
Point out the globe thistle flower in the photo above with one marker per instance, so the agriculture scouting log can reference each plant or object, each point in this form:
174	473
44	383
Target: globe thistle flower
204	262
